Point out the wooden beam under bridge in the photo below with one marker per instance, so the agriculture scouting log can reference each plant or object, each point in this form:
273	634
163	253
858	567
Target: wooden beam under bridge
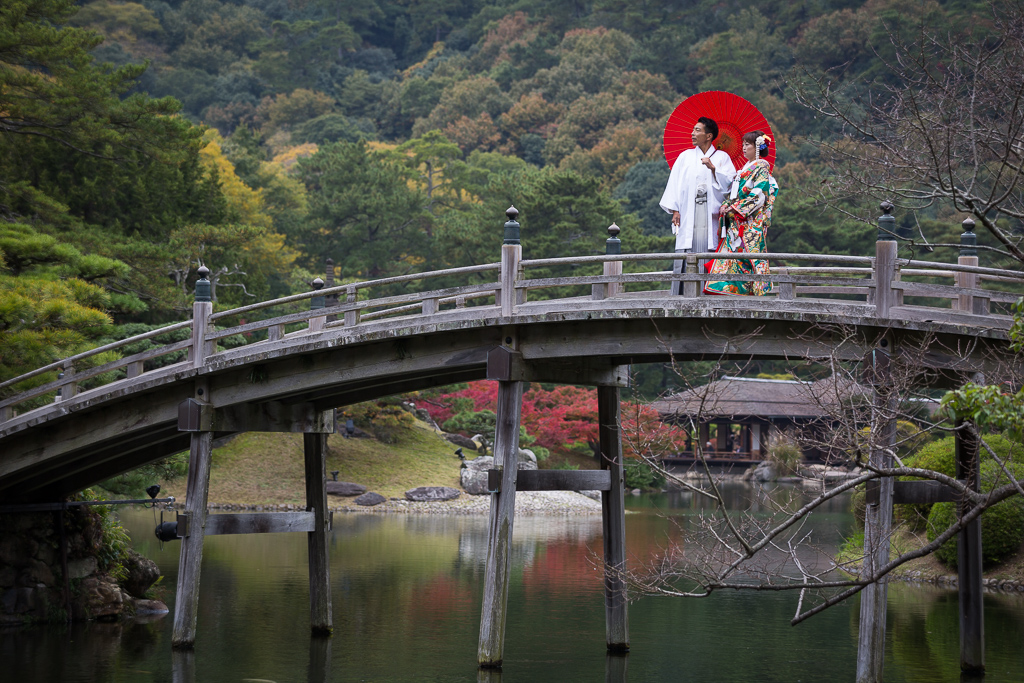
253	523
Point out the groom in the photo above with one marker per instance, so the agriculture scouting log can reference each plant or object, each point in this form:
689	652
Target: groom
700	179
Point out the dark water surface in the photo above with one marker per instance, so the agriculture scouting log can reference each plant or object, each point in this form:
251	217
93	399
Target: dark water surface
406	596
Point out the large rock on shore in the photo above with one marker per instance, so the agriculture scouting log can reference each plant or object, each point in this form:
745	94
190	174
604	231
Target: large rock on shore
474	472
370	499
462	441
430	494
142	574
764	471
344	488
101	597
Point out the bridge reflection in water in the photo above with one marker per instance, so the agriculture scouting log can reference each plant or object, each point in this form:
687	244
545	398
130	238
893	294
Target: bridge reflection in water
588	330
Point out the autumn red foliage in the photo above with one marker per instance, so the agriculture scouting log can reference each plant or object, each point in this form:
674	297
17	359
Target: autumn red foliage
567	415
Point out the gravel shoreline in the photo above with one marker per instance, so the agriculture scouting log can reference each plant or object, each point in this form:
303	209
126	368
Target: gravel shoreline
527	503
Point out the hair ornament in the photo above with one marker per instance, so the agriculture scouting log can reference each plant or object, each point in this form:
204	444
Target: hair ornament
761	145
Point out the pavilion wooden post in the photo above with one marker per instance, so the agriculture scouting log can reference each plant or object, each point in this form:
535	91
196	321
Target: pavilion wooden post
200	451
506	458
315	451
613	519
877	521
969	561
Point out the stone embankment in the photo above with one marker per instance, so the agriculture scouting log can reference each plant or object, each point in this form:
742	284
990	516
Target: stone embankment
527	503
951	581
74	576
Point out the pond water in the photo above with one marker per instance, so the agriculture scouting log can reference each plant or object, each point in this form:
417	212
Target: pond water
406	597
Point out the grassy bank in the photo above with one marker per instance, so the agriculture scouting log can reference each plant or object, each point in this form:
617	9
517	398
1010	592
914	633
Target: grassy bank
929	568
267	469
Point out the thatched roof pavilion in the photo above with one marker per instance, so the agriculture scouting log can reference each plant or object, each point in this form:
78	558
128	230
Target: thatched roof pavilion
739	416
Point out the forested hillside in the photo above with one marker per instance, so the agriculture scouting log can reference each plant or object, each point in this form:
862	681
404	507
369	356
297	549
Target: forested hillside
141	139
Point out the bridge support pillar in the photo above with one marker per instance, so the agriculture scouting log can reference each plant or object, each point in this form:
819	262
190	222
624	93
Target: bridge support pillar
320	617
187	603
613	519
499	538
877	521
969	560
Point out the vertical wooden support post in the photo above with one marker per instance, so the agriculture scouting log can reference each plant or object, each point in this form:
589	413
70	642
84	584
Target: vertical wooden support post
71	388
511	254
972	619
202	308
691	289
351	317
315	450
785	290
885	262
191	558
613	520
968	257
499	535
187	602
316	303
877	522
332	299
133	369
612	247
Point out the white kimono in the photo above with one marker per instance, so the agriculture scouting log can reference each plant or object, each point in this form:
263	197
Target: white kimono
681	192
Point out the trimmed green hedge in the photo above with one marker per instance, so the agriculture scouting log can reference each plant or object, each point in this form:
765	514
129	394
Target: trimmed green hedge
1001	525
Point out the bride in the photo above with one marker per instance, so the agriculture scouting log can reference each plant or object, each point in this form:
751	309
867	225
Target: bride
745	218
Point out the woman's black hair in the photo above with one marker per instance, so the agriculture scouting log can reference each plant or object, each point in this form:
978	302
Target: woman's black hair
752	137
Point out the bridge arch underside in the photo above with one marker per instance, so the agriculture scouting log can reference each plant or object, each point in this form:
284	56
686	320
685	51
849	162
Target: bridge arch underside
62	448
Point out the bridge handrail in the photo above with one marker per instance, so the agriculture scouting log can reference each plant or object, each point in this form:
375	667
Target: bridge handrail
1013	275
445	295
846	265
354	286
60	364
673	256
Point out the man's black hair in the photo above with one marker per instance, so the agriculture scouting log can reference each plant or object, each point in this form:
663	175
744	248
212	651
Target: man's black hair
709	126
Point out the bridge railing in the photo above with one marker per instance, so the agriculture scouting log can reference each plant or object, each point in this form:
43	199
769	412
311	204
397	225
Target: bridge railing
860	285
787	282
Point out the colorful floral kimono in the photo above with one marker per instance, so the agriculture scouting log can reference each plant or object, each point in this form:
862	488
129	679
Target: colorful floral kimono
753	197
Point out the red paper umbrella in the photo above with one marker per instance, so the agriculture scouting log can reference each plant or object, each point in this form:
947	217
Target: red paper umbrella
734	116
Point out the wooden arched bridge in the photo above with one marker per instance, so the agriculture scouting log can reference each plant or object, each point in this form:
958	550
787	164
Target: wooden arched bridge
352	344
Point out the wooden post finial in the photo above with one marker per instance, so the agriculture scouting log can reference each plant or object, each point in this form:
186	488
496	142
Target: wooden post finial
203	290
613	245
512	226
886	223
968	240
317	301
